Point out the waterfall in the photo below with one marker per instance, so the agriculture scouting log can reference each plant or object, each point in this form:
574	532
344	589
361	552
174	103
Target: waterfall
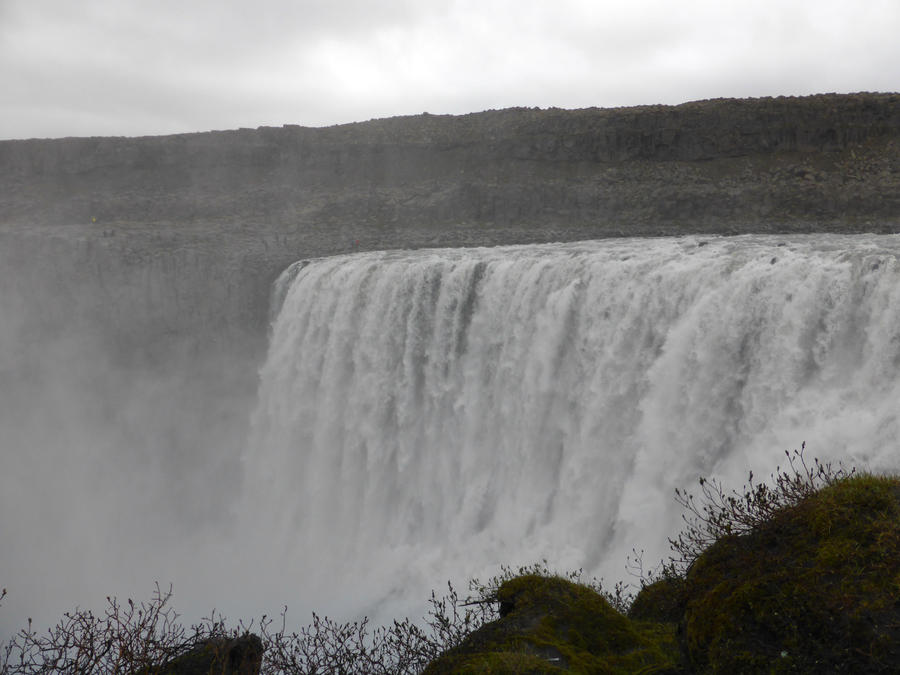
426	415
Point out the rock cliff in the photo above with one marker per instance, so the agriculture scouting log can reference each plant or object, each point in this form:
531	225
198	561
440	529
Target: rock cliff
724	165
270	195
250	201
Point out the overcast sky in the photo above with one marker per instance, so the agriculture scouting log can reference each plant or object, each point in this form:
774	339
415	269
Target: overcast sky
136	67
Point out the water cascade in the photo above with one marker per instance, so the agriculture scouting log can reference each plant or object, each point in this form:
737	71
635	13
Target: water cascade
426	415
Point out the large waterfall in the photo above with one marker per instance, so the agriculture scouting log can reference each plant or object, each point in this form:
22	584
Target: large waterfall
426	415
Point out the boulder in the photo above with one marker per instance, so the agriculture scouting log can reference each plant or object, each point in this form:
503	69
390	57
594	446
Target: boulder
218	656
816	588
552	625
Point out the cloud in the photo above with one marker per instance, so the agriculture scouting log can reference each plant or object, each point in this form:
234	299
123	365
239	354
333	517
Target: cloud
104	67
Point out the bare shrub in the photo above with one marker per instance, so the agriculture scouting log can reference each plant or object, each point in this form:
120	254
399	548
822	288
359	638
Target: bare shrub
126	638
718	513
403	647
145	638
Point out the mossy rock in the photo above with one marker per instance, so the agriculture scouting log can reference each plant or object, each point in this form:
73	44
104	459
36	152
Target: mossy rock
551	625
663	600
813	589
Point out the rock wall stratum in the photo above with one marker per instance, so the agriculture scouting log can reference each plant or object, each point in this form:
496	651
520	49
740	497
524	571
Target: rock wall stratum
255	200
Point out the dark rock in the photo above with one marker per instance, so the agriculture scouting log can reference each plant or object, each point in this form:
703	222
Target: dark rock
240	656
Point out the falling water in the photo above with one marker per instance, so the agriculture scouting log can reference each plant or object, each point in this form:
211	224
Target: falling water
426	415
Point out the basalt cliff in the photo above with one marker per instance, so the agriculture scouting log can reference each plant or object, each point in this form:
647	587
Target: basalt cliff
267	196
721	166
255	200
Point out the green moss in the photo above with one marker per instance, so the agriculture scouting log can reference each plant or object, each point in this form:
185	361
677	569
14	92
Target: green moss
813	589
549	624
663	600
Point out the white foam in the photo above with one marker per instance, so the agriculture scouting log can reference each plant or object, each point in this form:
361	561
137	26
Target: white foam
428	415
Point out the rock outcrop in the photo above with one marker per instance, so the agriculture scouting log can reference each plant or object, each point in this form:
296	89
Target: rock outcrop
815	589
812	589
552	625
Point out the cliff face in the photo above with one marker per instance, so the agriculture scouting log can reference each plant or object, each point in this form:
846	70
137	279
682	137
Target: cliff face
725	165
219	214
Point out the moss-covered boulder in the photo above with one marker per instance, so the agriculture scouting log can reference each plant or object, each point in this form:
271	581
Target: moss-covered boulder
551	625
815	588
663	600
801	577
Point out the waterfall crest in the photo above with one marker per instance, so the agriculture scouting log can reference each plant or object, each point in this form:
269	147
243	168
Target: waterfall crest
425	415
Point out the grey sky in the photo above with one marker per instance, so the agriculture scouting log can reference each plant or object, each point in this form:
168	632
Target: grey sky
134	67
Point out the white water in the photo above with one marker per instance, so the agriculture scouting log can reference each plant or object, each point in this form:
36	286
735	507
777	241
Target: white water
428	415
